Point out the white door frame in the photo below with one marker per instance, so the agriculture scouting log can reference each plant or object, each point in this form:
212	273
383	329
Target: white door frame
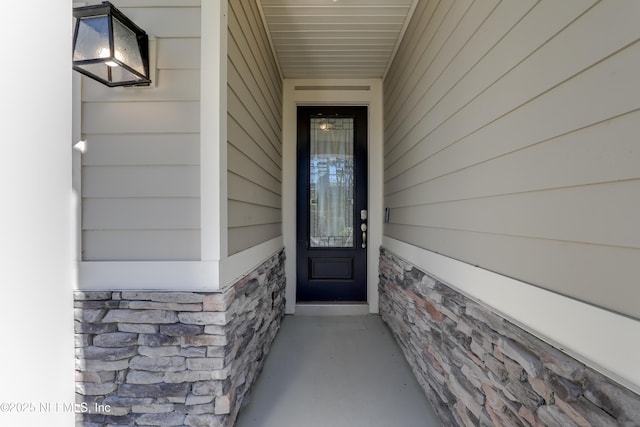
333	92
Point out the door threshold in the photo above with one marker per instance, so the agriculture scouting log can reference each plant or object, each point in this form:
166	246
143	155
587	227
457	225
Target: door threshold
332	309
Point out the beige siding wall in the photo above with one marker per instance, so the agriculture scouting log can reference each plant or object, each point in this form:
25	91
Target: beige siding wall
254	126
511	142
140	173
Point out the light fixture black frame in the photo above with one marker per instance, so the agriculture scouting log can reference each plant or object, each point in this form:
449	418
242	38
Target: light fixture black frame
108	9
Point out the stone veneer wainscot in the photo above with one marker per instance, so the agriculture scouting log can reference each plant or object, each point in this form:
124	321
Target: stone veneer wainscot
478	369
160	358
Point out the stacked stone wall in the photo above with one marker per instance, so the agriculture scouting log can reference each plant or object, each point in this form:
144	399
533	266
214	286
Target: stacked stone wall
157	358
478	369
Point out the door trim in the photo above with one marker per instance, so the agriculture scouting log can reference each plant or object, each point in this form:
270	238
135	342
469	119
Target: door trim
373	99
306	309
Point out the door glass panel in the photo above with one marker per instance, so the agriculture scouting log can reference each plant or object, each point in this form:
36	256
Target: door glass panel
331	183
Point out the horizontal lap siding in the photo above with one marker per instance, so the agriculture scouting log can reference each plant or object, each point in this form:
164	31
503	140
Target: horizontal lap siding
141	175
254	127
154	245
511	142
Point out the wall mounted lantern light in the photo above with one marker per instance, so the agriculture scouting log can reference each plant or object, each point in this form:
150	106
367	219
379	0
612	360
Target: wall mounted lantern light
109	47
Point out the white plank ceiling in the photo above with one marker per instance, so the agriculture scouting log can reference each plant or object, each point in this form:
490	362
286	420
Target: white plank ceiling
335	39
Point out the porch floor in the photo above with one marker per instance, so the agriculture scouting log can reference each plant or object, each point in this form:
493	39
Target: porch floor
339	371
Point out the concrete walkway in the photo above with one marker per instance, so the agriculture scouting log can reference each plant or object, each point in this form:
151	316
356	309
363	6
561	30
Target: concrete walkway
339	372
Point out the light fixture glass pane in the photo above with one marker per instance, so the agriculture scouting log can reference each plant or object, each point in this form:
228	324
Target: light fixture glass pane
93	39
126	46
120	74
331	183
99	69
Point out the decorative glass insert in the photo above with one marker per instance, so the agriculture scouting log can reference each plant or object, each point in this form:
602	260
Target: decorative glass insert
331	183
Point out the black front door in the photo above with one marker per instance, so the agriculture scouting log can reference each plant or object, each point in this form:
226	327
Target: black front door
332	204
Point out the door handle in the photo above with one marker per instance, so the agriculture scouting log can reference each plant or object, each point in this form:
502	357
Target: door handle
363	227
